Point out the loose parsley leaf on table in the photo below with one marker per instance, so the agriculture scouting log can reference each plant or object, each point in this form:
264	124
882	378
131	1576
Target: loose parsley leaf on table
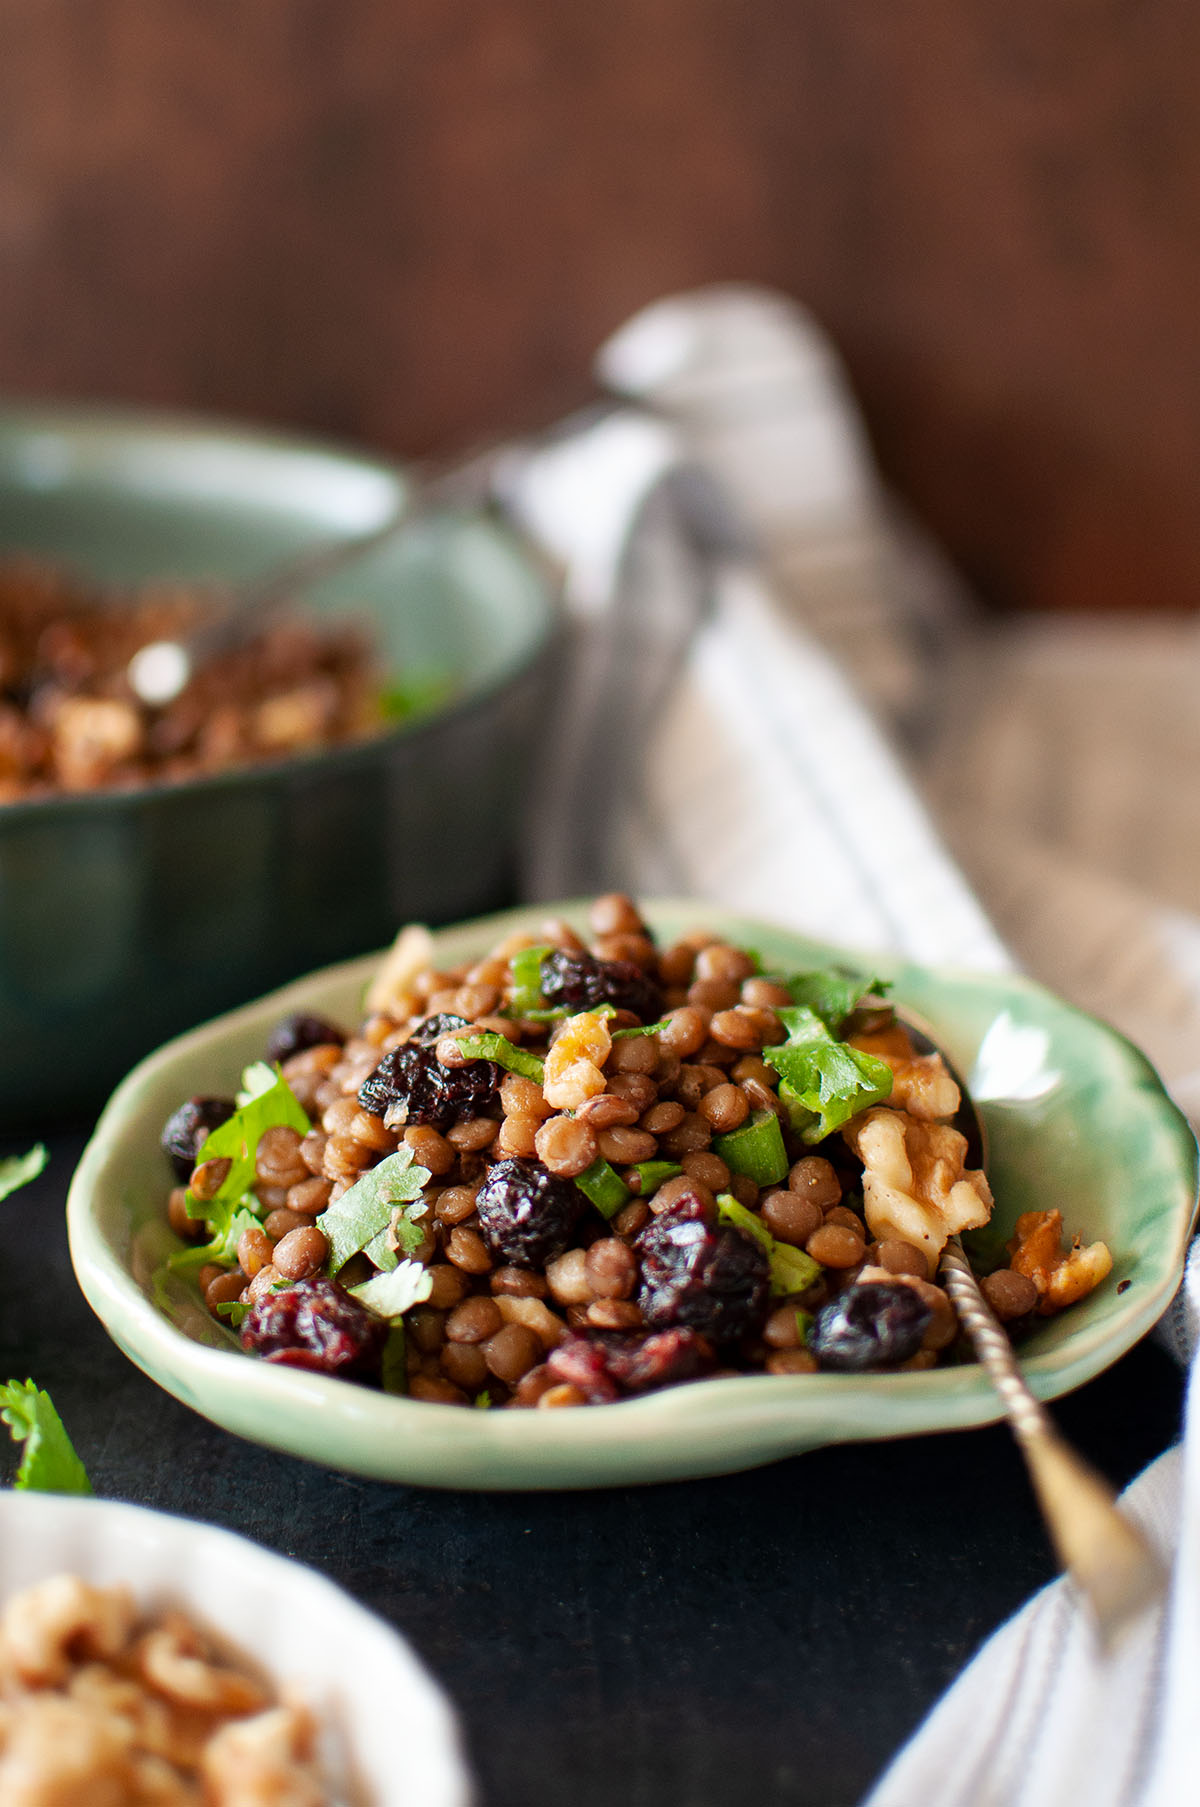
17	1170
48	1463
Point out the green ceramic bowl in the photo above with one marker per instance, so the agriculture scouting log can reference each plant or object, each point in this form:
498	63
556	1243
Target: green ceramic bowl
1075	1117
127	916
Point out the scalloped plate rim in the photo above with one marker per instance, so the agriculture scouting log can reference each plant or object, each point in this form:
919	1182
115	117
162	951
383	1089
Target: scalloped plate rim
746	1421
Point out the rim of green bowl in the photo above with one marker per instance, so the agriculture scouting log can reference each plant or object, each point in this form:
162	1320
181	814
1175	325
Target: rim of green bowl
536	647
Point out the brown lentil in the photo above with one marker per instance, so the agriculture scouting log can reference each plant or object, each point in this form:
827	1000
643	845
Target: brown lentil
430	1149
190	1228
684	1031
835	1246
454	1205
208	1178
278	1161
688	1137
1010	1295
208	1273
312	1151
626	1145
762	993
264	1281
225	1289
473	1134
742	1028
277	1223
567	1278
467	1250
682	1186
517	1136
661	1117
449	1285
614	1314
605	1110
903	1258
372	1132
436	1392
781	1331
611	1268
633	1054
560	1395
309	1197
790	1217
724	1108
302	1253
566	1145
713	994
632	1218
848	1219
518	1283
814	1178
791	1361
708	1169
254	1251
532	1385
475	1319
520	1097
744	1189
464	1364
512	1352
637	1088
720	961
425	1327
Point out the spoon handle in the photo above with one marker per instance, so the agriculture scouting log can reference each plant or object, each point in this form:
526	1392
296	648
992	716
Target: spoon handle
1101	1548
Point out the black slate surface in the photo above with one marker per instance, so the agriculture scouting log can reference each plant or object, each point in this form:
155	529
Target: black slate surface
769	1637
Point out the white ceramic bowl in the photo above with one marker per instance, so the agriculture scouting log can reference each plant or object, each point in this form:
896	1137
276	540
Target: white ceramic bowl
390	1736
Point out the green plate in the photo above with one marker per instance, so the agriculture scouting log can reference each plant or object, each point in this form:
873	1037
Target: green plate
1075	1118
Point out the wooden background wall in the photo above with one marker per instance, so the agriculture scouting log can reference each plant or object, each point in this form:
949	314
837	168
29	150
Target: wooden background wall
411	221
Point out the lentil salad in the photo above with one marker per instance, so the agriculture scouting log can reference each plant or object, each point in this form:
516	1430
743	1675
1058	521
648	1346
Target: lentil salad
566	1174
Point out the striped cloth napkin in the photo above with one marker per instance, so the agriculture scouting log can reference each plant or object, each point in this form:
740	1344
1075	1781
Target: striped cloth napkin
767	662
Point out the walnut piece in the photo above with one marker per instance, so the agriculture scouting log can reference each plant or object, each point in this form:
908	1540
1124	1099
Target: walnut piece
916	1186
1062	1276
921	1083
573	1064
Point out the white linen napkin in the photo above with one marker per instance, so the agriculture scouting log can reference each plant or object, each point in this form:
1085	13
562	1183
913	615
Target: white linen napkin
713	739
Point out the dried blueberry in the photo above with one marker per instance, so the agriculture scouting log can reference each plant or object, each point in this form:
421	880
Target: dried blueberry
410	1084
869	1326
526	1214
315	1324
293	1034
700	1276
580	982
186	1130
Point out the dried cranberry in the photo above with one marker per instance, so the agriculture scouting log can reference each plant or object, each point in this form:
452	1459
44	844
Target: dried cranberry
186	1130
581	982
869	1326
293	1034
526	1214
693	1273
315	1324
410	1085
610	1361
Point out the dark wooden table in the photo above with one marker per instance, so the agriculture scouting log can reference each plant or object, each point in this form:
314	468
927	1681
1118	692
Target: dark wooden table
771	1637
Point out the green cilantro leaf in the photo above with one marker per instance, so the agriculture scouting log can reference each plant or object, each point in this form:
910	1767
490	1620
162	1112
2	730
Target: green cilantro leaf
391	1295
394	1373
415	692
482	1400
526	969
831	992
490	1046
237	1139
823	1082
222	1250
362	1216
49	1463
17	1170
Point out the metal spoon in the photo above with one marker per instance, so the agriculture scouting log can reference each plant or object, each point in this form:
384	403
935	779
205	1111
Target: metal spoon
158	672
1104	1552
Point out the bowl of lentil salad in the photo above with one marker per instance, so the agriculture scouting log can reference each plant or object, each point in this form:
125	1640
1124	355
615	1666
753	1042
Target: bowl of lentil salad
1075	1118
141	908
